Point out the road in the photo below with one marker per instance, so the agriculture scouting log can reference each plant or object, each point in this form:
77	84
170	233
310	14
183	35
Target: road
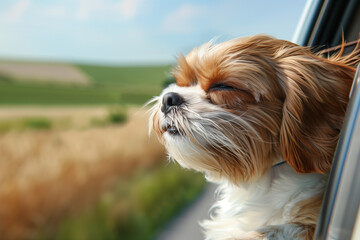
186	225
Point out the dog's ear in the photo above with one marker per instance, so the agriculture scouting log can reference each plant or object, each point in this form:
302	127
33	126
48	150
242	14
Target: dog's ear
317	92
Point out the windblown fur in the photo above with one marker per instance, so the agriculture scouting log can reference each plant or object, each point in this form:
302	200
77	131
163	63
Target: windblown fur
247	104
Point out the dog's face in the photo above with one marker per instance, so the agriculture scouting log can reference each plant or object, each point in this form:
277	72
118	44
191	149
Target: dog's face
239	106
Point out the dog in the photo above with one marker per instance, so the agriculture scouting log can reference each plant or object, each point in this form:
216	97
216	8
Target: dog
261	117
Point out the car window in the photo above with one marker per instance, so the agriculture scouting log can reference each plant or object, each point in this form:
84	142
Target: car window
342	198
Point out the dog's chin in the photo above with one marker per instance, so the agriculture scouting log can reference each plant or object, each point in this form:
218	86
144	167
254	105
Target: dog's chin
192	151
201	149
182	150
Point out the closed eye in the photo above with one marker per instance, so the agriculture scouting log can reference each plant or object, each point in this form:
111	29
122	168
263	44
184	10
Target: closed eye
220	86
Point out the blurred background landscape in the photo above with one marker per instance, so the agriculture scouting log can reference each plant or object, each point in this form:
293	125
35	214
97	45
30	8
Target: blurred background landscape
76	160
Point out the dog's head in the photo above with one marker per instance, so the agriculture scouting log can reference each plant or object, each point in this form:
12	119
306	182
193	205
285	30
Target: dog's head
240	105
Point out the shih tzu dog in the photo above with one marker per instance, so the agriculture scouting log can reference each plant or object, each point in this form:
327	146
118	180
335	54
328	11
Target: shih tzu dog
261	117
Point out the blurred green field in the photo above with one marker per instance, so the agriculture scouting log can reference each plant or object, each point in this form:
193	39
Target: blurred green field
136	208
139	201
108	85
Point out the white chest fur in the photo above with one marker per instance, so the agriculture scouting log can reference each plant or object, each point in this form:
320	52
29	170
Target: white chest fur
268	201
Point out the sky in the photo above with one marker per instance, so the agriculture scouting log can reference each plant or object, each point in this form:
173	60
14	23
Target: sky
134	31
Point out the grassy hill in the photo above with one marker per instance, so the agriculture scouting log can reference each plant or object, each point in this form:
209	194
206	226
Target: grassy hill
108	85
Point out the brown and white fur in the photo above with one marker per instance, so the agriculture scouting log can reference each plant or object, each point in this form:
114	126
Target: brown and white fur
240	107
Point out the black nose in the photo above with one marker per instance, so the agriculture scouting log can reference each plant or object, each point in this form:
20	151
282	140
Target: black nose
169	100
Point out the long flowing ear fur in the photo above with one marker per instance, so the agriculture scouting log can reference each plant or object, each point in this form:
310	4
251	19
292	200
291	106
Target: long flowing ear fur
317	93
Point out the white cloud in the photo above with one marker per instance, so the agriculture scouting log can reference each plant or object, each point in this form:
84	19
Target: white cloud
182	20
128	8
125	9
16	12
55	11
85	9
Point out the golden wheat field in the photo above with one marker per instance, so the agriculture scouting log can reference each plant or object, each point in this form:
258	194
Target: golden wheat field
46	174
